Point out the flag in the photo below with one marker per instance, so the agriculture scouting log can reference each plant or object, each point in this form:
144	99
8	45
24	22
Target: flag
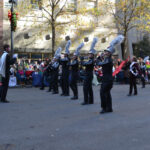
120	67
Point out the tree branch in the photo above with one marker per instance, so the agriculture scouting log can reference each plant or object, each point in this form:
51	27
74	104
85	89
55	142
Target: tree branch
60	9
47	12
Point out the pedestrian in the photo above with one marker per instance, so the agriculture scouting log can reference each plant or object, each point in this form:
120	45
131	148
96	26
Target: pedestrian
5	63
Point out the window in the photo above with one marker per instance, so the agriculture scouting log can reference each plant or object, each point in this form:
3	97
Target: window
47	37
36	56
103	40
72	5
67	38
36	4
86	39
23	55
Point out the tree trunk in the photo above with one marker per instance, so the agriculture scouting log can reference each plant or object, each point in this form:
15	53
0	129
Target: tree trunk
125	47
53	39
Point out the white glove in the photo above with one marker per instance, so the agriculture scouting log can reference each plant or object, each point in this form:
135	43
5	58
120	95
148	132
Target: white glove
15	55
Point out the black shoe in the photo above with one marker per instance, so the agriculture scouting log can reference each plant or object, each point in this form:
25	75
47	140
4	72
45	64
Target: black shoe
42	88
129	95
135	93
84	103
55	93
143	86
62	94
103	111
91	103
74	98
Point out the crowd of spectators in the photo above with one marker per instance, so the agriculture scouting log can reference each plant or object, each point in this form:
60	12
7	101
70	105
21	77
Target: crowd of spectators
27	72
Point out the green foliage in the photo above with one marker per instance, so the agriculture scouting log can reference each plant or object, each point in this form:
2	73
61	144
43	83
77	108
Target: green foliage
143	47
13	22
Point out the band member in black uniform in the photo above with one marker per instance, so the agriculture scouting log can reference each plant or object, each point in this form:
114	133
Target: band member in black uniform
107	79
134	73
88	77
65	71
107	82
55	71
6	61
74	72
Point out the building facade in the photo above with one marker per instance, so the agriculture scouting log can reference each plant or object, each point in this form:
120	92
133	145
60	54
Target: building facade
32	38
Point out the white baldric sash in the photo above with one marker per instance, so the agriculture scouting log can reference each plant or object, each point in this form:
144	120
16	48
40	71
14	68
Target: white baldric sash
131	69
3	64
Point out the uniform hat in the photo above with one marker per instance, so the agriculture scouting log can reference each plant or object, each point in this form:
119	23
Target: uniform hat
77	52
118	40
92	50
58	53
67	47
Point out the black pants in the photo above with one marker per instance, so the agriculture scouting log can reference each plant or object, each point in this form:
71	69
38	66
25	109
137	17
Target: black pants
143	81
55	82
73	83
65	83
3	94
132	84
42	80
105	94
88	90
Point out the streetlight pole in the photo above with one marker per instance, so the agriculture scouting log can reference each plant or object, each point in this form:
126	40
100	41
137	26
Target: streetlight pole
12	32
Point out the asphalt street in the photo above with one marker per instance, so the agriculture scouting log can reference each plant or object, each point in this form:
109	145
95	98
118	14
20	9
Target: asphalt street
38	120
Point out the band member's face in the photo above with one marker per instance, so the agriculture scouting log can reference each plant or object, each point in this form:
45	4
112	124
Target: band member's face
65	55
8	49
74	57
107	54
62	55
90	55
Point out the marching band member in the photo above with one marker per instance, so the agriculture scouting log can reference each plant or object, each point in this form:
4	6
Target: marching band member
107	79
55	71
65	70
74	72
87	81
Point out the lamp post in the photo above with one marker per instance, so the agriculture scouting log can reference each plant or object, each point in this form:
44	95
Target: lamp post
12	32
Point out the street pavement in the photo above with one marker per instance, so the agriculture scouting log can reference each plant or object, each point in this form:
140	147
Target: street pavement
38	120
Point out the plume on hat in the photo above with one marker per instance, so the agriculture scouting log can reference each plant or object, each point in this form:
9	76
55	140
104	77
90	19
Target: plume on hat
77	52
92	50
118	40
67	47
58	52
